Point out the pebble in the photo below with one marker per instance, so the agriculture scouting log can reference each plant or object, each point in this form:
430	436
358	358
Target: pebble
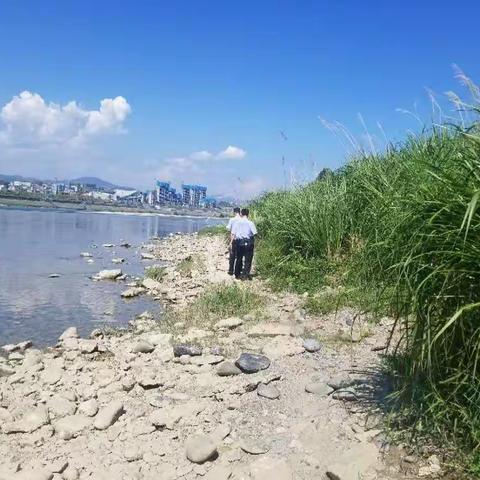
252	362
108	415
268	391
318	388
253	446
200	448
228	369
311	345
143	347
229	323
184	349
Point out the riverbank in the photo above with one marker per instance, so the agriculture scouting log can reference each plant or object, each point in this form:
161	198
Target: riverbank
234	381
107	208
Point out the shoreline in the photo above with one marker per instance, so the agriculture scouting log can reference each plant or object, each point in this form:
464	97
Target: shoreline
6	202
204	393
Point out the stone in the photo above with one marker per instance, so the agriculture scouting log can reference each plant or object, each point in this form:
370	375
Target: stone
52	375
108	415
206	360
271	469
218	472
318	388
184	349
60	407
70	473
132	292
311	345
200	448
220	433
87	346
89	408
229	323
340	381
86	254
279	347
34	474
252	362
269	330
268	391
6	371
54	275
109	274
347	395
108	245
147	256
151	284
252	446
143	347
30	421
228	369
118	260
72	425
70	332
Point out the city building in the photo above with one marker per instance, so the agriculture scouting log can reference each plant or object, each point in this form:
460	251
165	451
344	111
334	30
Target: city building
166	193
193	195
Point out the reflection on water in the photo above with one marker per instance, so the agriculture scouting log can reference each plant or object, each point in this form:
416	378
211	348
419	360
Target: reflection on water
36	243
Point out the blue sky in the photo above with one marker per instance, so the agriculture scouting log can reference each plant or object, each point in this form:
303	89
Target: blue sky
220	78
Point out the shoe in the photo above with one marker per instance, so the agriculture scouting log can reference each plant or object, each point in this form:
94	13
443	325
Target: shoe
230	273
238	277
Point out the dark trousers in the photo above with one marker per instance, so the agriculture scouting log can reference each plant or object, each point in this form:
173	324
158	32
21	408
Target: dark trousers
243	263
232	257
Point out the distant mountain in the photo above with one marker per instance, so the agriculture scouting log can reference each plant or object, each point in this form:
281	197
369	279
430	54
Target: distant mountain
98	182
18	178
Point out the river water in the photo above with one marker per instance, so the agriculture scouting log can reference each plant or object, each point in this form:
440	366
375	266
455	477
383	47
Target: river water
36	243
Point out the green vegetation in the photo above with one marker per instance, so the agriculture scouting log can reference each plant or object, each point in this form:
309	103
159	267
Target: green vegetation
155	272
400	230
222	301
192	262
213	230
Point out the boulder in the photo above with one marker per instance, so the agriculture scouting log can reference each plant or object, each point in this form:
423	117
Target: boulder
147	256
253	446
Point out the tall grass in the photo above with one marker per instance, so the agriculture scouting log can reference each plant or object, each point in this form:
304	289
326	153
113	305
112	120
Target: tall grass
404	224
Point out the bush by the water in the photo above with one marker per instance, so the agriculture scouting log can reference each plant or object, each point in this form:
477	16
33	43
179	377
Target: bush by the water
402	227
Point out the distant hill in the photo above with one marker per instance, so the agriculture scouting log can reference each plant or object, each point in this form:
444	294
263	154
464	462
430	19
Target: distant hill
98	182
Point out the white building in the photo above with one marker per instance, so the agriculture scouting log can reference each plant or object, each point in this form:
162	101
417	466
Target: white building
120	193
101	195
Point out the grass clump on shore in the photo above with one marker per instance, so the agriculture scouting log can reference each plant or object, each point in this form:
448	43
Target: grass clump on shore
213	230
155	272
222	301
403	228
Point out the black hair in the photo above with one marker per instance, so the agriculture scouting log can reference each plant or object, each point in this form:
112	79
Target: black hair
245	212
236	210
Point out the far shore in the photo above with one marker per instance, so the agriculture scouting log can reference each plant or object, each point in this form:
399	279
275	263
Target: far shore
112	209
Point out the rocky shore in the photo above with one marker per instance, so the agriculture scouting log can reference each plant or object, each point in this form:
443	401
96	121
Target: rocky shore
271	394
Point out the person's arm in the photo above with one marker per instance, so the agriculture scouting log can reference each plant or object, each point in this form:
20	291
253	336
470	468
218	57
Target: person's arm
253	228
229	225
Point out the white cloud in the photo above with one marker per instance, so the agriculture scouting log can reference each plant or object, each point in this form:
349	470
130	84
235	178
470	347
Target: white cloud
232	153
202	155
28	121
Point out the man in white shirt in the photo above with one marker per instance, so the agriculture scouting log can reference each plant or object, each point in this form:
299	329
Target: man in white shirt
232	250
243	236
